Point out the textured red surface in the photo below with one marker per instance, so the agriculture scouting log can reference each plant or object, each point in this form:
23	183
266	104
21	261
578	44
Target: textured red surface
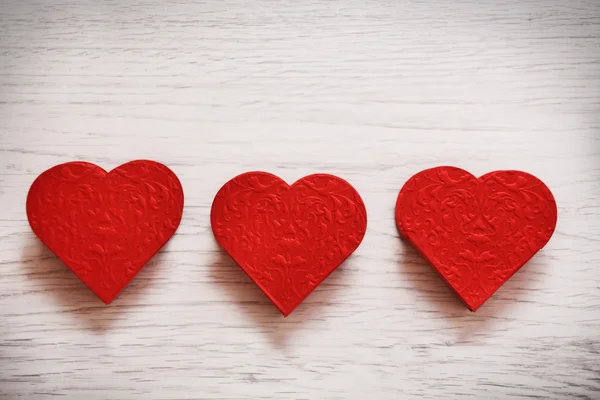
288	239
105	226
476	232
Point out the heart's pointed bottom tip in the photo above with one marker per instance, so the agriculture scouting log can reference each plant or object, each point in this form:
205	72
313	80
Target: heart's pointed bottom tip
470	307
285	313
106	301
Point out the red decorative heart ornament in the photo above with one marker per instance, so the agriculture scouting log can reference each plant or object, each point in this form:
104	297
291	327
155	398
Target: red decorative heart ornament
288	239
105	226
476	232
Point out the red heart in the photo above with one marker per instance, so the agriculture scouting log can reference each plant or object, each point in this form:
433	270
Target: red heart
476	232
288	239
105	226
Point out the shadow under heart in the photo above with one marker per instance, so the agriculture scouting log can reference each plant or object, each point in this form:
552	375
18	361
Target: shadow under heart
74	297
438	294
247	295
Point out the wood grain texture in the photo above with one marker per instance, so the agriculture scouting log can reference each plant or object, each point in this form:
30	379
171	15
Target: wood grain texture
372	91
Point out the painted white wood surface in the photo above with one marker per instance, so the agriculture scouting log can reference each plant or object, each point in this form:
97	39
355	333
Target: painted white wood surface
372	91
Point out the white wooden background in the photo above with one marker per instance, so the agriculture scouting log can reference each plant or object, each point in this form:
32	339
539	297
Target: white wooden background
370	90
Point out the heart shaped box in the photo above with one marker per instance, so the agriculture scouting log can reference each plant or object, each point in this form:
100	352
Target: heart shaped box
105	226
476	233
288	239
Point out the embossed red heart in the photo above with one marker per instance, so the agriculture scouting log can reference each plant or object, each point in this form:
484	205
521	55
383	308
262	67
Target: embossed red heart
105	226
476	232
288	239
